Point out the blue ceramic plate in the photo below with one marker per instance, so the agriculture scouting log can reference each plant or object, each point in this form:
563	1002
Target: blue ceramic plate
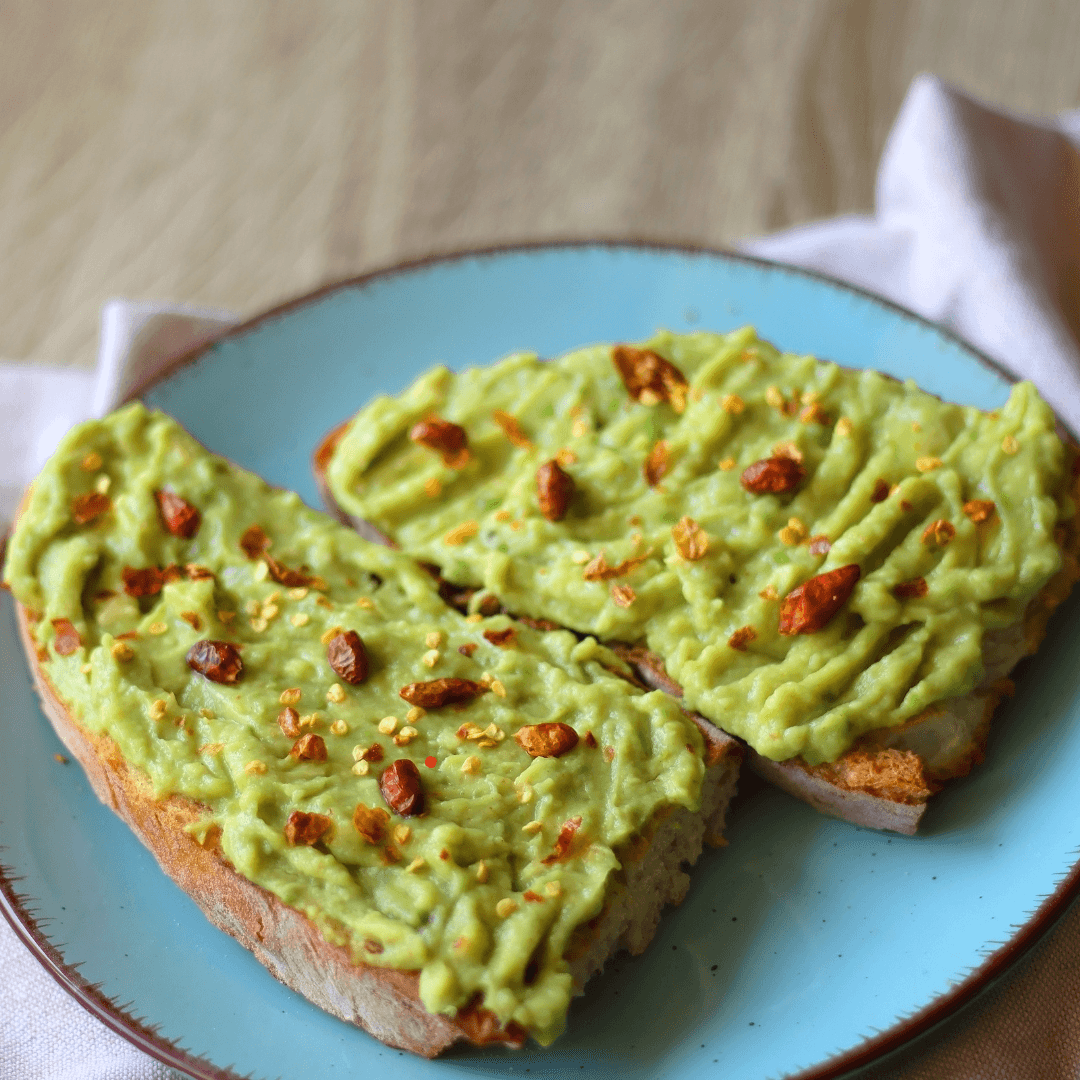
806	947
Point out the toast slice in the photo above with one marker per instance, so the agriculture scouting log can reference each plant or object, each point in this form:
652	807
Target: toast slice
433	826
682	496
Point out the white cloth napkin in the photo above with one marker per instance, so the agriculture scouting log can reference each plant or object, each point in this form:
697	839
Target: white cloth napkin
977	226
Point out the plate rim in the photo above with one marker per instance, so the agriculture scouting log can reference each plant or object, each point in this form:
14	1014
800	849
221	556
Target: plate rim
17	908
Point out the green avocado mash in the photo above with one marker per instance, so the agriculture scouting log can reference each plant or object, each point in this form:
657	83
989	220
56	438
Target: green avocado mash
908	488
444	892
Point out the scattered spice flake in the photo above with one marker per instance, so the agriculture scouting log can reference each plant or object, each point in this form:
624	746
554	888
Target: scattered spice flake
928	464
913	589
622	595
503	515
66	638
566	457
255	768
192	619
809	607
157	629
371	822
564	842
742	637
554	490
306	829
433	487
649	378
881	490
733	404
938	532
550	740
691	540
769	593
217	661
211	748
347	656
727	464
294	579
468	648
439	692
815	414
402	788
253	541
289	722
506	907
979	510
92	462
787	448
195	572
600	570
335	695
1009	445
512	429
820	545
844	426
122	652
532	897
442	436
609	754
794	533
309	747
906	506
504	639
590	740
460	533
84	508
657	464
772	476
146	581
178	516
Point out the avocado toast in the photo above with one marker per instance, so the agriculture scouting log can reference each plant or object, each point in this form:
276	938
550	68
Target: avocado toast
834	566
432	825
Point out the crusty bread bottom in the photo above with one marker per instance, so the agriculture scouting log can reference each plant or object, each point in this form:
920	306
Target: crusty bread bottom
383	1001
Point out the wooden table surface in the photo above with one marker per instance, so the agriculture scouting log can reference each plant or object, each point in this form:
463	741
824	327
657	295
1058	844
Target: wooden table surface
237	153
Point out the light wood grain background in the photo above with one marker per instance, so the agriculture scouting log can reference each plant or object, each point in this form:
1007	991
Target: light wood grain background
240	152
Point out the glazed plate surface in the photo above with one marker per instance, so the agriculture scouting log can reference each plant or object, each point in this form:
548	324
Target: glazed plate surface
807	947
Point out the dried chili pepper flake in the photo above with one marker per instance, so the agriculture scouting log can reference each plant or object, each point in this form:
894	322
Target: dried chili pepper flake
649	378
657	464
772	476
880	492
306	829
809	607
289	722
599	569
815	414
691	540
309	747
504	639
939	532
622	595
347	656
590	740
217	661
546	740
468	648
84	508
820	545
512	429
980	510
193	619
178	515
371	822
66	639
460	533
564	842
444	437
402	788
742	637
554	490
253	541
911	590
532	897
293	579
373	947
146	581
436	693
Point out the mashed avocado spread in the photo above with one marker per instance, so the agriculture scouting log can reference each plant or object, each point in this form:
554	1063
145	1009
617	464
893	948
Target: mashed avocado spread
709	479
136	544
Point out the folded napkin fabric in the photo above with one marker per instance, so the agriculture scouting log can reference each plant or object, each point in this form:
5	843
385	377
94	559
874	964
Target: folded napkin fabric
976	226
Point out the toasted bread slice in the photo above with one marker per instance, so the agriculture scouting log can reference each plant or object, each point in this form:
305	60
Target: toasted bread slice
257	823
879	776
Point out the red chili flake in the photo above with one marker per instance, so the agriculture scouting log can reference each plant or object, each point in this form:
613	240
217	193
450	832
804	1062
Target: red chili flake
289	722
880	492
504	639
291	579
657	464
435	693
532	897
443	436
808	608
402	788
742	637
772	476
512	429
913	589
649	378
348	657
65	637
373	947
820	545
216	660
370	822
590	740
143	582
254	541
309	747
178	515
84	508
468	648
307	829
554	490
564	841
